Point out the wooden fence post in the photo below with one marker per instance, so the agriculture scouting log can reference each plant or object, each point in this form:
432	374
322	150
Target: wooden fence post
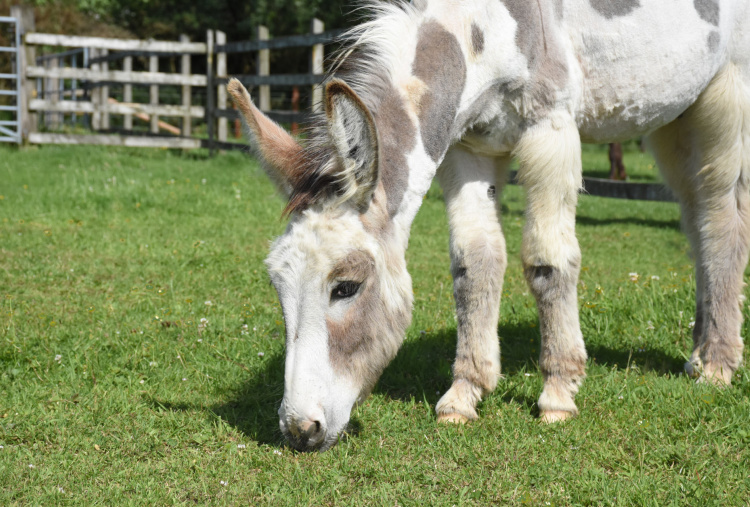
264	69
96	96
186	101
127	93
61	91
85	87
210	89
104	91
74	90
27	123
50	93
153	66
221	90
316	66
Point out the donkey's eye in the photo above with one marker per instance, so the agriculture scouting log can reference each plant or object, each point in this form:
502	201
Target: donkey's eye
345	290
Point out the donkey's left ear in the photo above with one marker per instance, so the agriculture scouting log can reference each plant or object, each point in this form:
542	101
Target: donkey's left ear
353	133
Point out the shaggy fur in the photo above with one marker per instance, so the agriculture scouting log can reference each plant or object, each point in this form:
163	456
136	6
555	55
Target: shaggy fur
465	87
478	262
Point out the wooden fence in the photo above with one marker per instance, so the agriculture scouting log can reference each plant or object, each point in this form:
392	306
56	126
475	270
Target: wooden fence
76	77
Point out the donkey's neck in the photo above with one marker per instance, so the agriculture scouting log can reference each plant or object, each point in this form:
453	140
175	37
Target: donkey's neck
411	74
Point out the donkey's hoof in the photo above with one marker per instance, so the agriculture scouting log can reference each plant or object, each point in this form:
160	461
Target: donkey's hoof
552	416
453	418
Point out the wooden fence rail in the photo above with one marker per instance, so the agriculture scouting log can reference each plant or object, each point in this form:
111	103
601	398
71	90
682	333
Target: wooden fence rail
94	78
77	41
122	108
115	76
291	41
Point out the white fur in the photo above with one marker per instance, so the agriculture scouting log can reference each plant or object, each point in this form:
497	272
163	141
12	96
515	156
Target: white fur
298	265
550	159
626	76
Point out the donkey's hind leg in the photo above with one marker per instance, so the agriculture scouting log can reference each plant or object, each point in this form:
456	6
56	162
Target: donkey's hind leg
478	260
705	157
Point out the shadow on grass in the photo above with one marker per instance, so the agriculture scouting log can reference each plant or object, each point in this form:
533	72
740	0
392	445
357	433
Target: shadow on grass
421	370
656	361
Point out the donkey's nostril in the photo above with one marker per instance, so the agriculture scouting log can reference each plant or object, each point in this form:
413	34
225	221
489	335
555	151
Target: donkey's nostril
310	428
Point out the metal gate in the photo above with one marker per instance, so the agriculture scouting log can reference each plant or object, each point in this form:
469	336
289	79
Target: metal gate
10	107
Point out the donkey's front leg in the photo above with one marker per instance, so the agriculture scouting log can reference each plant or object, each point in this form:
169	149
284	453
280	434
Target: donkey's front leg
550	170
478	259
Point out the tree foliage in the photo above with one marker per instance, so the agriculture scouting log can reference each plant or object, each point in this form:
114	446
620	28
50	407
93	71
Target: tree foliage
167	19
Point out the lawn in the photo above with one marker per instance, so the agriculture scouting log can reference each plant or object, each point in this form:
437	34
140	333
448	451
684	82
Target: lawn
141	354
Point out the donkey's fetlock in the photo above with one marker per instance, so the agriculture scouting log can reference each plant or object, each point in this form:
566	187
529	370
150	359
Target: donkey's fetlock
556	402
458	404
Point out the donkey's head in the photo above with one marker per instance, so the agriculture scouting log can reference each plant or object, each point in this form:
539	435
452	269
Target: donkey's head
338	269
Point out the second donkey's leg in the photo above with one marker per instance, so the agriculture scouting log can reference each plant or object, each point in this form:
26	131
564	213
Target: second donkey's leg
478	259
550	170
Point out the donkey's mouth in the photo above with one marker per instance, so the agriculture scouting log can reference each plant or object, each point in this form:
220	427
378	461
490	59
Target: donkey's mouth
303	443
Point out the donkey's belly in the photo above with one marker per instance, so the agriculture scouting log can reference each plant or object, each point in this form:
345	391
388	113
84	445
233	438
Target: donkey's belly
645	70
606	119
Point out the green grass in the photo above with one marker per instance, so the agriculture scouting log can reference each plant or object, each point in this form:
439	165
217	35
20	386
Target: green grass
113	391
639	166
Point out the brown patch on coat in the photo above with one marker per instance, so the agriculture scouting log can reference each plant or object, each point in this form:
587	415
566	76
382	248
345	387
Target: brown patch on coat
537	37
396	130
440	64
477	40
397	136
713	41
415	90
708	10
614	8
367	338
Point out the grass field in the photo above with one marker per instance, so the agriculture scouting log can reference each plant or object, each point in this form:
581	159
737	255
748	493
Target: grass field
114	390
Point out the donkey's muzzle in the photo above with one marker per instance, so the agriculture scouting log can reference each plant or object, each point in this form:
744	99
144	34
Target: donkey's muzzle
305	434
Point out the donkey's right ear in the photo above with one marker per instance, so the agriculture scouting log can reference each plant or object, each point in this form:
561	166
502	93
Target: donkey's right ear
278	151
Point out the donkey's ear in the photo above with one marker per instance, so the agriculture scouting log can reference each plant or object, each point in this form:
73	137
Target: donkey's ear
353	133
278	151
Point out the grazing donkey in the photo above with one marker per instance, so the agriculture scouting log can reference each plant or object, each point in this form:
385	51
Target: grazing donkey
457	89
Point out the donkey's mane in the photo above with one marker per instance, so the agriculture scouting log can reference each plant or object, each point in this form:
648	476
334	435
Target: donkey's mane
365	63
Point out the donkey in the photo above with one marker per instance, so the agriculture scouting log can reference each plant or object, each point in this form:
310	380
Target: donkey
457	89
